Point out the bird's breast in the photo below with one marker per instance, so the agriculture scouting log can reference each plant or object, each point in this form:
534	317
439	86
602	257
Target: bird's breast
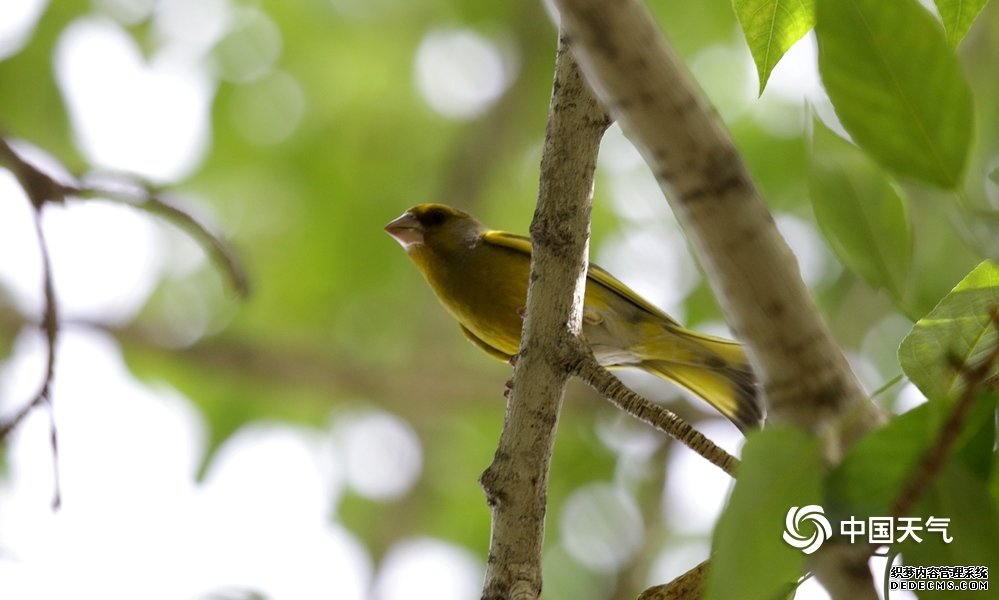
485	290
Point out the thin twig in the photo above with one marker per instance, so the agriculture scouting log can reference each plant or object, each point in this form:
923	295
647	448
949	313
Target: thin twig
605	383
38	185
154	203
935	457
888	385
42	189
50	325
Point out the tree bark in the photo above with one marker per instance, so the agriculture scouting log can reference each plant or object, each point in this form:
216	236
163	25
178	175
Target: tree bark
516	482
805	378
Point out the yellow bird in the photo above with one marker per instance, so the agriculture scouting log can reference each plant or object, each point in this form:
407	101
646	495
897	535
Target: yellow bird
480	276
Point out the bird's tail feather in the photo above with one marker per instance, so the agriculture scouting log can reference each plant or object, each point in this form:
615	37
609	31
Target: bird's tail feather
725	384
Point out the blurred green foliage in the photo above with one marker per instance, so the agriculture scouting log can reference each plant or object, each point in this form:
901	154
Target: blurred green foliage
339	320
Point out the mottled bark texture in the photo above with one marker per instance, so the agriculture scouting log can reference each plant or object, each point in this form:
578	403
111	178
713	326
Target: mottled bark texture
516	482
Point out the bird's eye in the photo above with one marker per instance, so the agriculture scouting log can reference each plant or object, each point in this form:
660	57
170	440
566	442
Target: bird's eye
434	217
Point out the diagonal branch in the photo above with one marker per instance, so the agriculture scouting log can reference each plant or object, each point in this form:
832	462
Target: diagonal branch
39	187
604	382
805	378
755	276
42	189
154	203
934	459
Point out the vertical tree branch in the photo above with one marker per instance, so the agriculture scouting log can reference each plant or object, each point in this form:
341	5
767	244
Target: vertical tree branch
517	480
40	189
805	378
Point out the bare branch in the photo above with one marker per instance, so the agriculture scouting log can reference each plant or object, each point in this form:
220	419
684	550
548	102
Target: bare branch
38	185
805	378
935	457
637	75
154	203
50	326
605	383
42	189
517	480
688	586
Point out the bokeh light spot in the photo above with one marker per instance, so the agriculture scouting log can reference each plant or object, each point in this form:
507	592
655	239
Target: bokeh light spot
150	119
106	259
268	110
127	12
459	72
695	496
383	454
195	24
428	569
814	260
250	47
909	397
17	23
602	527
653	259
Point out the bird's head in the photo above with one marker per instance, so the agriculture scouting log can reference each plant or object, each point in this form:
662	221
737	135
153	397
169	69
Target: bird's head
434	225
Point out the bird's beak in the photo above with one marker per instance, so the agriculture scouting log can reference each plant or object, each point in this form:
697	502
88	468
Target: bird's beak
406	230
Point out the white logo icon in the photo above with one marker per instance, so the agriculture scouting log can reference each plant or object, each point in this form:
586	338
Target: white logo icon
792	525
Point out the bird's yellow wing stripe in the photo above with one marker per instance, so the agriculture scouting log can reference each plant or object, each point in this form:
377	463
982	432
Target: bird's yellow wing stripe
595	273
508	240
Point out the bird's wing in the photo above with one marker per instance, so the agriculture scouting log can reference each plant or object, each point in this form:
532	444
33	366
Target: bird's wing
596	274
512	241
483	345
615	285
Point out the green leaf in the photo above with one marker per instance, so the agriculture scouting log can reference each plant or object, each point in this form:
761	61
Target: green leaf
781	468
771	27
859	212
958	331
957	17
896	86
994	483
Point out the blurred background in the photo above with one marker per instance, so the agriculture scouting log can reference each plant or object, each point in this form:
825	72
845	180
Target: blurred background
323	438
